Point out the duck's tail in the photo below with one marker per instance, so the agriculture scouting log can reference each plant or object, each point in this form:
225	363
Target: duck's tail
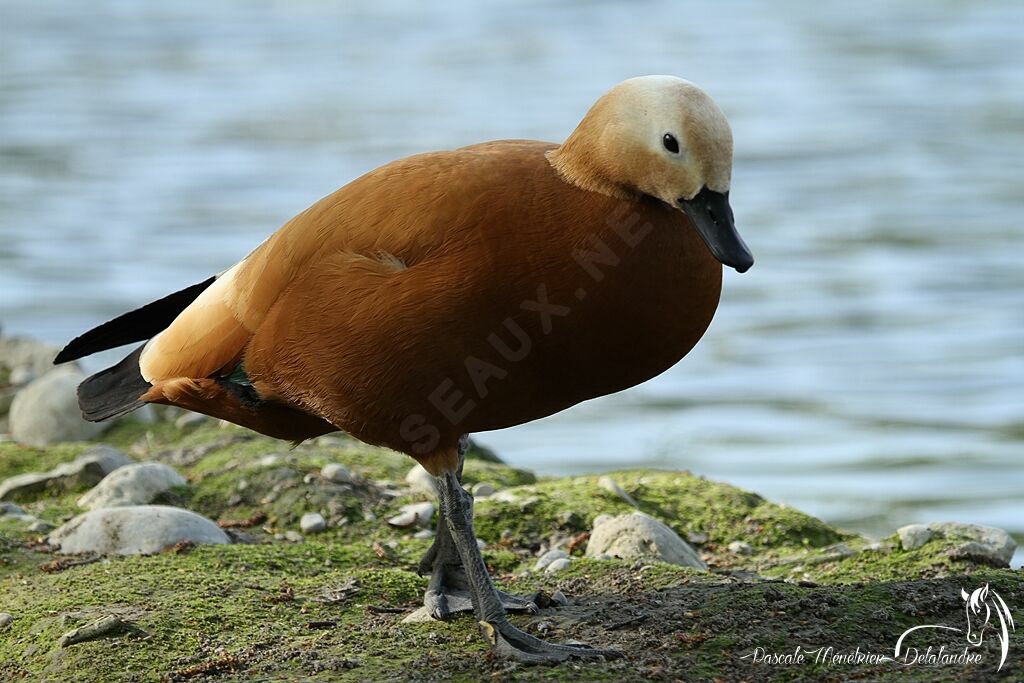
118	389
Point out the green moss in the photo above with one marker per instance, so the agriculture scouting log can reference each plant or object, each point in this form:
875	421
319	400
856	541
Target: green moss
275	610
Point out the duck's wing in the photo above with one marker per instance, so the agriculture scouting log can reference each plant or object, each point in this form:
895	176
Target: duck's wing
374	216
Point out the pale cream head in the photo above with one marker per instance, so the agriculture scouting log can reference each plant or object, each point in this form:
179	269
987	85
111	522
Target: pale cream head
656	135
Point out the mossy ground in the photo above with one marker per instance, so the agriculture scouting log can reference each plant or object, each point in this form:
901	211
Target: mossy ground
323	608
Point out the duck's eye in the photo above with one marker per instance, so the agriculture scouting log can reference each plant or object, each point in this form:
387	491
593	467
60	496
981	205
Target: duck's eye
670	142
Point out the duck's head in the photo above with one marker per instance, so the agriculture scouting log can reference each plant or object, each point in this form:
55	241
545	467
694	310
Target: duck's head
664	137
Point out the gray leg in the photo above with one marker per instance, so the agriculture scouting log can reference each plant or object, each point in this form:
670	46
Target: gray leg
448	591
508	641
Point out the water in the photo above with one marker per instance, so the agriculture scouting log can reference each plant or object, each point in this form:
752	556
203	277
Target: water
869	368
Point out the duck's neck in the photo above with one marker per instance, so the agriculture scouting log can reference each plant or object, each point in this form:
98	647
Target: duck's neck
578	161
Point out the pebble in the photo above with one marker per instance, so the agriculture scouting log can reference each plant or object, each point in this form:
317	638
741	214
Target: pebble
135	530
483	490
424	533
312	522
39	526
294	536
697	537
46	411
558	565
612	486
421	481
87	469
640	536
558	598
270	460
10	509
336	473
5	620
547	558
740	548
190	420
411	515
134	484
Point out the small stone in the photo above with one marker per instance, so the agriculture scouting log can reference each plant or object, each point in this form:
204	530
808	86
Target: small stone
5	620
558	565
421	481
424	533
312	522
87	469
10	509
39	526
547	558
46	411
136	530
640	536
191	420
481	544
558	598
336	473
612	486
482	490
697	537
505	496
270	460
412	515
294	536
135	484
914	536
740	548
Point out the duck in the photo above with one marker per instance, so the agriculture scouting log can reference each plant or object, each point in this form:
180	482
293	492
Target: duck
456	292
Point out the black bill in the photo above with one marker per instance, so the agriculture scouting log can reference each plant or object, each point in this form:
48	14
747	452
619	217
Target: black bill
712	216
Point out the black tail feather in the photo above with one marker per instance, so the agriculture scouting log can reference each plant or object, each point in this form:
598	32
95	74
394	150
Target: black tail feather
135	326
114	391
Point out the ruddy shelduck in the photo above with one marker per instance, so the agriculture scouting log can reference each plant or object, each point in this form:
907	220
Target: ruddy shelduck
457	292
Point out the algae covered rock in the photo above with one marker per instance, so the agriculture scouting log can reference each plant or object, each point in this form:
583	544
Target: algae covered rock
969	541
135	484
638	536
87	469
137	530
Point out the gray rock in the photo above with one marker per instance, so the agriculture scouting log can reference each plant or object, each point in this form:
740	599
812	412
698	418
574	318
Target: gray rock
422	481
191	420
138	530
46	411
5	620
135	484
312	522
10	509
740	548
914	536
293	536
558	565
24	355
639	536
337	473
968	541
417	514
547	558
87	469
482	490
